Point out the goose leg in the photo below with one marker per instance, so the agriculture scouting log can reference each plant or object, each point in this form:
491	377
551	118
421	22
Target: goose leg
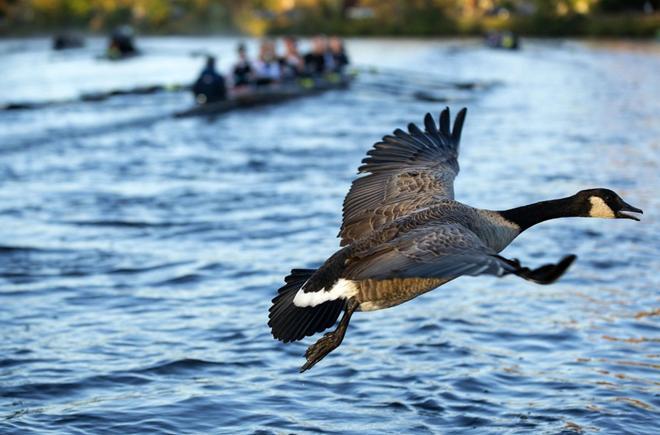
331	340
546	274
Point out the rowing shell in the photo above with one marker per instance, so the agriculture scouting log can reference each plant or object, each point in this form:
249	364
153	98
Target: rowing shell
244	98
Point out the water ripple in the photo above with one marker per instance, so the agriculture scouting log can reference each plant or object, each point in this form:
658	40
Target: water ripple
139	253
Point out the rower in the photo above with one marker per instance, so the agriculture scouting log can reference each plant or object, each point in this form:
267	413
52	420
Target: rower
316	61
210	86
292	62
339	57
243	71
267	68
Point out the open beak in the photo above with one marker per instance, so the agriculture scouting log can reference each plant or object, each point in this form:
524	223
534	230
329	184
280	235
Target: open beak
627	208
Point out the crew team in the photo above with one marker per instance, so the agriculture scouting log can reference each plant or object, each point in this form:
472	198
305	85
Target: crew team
327	56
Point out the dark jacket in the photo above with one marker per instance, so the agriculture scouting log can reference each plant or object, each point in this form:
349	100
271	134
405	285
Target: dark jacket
210	86
242	74
314	64
340	62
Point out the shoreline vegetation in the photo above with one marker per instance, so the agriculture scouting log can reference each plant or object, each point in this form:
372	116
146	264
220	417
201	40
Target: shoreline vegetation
418	18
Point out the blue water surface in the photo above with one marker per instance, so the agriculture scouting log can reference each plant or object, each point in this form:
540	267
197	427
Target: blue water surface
139	253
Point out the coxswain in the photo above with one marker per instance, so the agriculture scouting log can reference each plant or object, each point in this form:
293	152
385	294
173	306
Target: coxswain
210	86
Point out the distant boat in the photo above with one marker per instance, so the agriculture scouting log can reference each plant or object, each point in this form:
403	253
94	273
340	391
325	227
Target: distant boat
503	40
122	44
65	41
251	97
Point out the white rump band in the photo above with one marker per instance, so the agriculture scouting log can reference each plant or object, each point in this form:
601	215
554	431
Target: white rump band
343	288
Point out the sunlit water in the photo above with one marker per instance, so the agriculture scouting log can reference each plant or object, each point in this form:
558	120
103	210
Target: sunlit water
139	253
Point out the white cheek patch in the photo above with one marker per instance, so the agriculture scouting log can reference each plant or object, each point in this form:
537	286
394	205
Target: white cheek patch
343	288
599	208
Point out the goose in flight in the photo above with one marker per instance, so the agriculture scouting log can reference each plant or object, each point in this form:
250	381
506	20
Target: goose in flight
403	234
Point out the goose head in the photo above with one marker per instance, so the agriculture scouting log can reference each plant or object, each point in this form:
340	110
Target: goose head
604	203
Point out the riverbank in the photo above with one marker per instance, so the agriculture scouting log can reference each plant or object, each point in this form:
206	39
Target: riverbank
632	25
629	25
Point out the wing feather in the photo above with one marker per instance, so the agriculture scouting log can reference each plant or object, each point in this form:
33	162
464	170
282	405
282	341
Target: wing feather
446	251
438	251
405	171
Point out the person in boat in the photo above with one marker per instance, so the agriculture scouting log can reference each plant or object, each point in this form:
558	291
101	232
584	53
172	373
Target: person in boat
292	63
65	41
339	57
510	41
210	86
267	68
121	43
318	60
243	72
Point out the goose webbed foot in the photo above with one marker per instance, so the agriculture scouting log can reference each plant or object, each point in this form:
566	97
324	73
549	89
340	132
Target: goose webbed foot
546	274
321	348
329	341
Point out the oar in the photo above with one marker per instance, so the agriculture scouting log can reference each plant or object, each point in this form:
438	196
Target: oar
415	94
418	78
96	96
140	90
428	90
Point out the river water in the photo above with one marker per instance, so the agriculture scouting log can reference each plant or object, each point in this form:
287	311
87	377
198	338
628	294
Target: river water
139	253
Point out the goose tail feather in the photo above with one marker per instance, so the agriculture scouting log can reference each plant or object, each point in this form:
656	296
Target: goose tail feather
289	322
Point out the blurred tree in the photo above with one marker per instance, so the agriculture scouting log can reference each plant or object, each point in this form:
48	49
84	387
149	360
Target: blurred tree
564	7
396	17
628	5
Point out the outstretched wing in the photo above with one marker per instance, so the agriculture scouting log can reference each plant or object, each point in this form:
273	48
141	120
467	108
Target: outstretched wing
448	251
406	172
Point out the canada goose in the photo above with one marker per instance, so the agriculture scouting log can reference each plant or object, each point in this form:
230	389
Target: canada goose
404	235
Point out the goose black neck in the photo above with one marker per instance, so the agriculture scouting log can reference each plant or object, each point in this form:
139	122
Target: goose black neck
532	214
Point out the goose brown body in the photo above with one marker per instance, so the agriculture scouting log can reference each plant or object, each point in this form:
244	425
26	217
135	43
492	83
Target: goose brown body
377	294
